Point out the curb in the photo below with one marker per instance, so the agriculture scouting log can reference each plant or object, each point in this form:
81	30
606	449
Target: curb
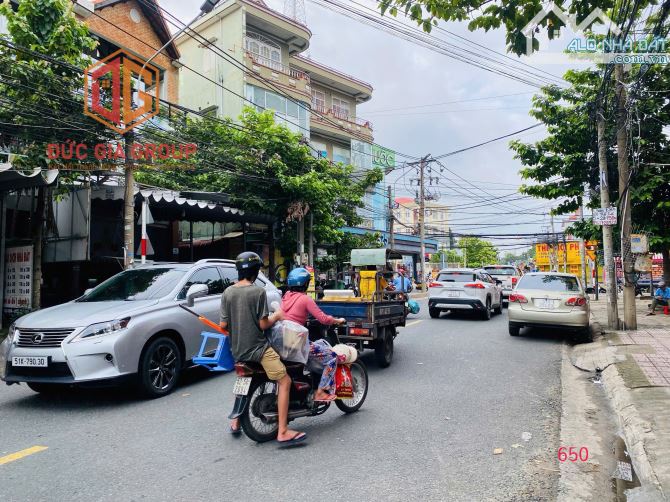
634	430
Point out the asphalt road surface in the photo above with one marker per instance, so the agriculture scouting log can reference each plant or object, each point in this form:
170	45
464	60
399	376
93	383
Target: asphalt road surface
458	389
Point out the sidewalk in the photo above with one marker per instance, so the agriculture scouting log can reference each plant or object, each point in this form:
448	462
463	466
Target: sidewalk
635	370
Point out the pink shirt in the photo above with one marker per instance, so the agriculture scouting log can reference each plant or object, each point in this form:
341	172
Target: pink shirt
296	306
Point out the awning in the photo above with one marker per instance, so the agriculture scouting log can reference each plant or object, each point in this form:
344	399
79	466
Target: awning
12	179
172	205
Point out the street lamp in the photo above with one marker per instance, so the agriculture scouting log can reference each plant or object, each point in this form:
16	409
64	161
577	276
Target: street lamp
205	8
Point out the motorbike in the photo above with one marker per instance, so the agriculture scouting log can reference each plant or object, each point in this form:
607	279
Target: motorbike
256	397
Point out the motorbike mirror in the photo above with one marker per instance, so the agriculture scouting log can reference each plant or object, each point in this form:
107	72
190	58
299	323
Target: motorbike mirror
196	291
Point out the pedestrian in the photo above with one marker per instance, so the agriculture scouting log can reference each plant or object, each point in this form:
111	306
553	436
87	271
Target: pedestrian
244	312
402	283
661	297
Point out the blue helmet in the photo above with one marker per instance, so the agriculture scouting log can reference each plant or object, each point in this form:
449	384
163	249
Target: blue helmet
298	277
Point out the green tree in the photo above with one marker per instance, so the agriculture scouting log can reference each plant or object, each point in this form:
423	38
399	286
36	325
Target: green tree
477	252
450	256
267	169
561	165
512	15
41	74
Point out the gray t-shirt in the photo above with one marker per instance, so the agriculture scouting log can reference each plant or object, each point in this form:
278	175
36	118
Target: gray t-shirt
242	308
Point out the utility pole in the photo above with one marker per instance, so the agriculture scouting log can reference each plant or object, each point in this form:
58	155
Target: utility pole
608	244
129	204
629	313
422	218
554	244
311	239
582	247
391	218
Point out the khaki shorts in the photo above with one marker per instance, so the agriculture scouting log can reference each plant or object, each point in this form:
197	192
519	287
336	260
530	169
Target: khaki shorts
274	368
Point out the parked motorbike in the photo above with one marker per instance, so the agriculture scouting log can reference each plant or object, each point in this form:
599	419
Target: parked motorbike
256	397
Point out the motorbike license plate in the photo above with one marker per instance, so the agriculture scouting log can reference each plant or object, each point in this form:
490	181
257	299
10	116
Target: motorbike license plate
32	361
544	304
453	294
241	387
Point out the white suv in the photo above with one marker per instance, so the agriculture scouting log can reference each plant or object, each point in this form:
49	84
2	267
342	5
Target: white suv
508	274
464	289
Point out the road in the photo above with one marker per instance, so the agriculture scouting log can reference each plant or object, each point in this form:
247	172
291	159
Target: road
458	389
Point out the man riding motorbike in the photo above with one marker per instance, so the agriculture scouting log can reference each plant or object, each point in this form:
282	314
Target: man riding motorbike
244	313
296	305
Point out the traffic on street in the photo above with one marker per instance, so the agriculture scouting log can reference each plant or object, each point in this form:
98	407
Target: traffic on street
376	250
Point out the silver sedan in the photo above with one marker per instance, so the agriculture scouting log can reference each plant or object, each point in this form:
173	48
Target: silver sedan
129	327
549	299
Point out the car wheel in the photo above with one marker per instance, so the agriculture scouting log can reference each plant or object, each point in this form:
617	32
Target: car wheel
160	366
45	388
514	330
384	349
486	315
434	313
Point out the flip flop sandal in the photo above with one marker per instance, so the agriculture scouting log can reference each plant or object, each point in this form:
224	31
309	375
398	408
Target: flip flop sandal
234	432
328	399
299	437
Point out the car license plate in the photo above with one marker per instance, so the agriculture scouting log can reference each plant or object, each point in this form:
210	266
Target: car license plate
34	361
544	304
453	294
242	385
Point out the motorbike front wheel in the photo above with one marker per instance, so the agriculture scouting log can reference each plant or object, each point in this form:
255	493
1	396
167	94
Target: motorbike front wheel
262	399
359	375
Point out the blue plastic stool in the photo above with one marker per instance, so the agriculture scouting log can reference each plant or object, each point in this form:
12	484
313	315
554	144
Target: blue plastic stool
222	360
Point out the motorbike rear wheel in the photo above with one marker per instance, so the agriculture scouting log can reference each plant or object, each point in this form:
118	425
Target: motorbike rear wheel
359	375
262	398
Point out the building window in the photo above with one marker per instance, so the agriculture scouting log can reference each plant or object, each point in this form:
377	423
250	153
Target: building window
321	150
319	100
341	155
266	51
293	115
340	108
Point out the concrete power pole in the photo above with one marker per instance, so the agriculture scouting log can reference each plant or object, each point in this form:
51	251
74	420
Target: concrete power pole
391	217
608	245
554	245
629	312
129	205
422	218
582	247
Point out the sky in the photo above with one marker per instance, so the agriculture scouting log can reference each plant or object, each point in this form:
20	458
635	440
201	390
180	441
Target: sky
406	75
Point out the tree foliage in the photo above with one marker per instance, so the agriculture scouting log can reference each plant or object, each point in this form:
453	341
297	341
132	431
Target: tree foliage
267	169
41	100
512	15
565	163
477	252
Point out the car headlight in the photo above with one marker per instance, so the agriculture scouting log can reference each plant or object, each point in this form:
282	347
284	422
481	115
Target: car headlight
13	334
102	329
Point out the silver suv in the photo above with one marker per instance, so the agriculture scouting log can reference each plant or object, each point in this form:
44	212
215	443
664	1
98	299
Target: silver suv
128	327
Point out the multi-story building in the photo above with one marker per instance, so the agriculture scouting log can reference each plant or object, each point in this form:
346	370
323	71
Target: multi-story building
436	218
256	55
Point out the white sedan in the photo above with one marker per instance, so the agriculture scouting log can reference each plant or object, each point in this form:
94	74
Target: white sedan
549	300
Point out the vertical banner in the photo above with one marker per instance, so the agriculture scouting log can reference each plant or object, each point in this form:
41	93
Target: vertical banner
18	277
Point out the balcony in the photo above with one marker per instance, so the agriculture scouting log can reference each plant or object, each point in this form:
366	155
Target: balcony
341	125
292	81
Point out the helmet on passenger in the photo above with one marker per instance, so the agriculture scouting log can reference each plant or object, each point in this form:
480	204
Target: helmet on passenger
298	278
248	264
248	260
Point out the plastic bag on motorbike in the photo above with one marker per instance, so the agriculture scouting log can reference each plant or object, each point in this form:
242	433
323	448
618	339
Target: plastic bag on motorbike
291	341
